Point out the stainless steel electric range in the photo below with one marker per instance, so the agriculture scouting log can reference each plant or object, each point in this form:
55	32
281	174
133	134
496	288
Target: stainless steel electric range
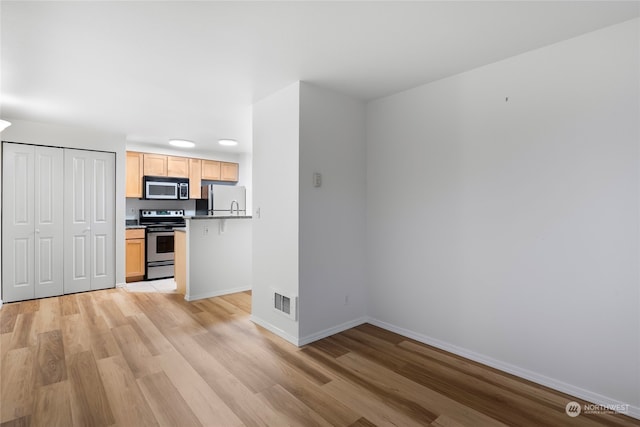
160	224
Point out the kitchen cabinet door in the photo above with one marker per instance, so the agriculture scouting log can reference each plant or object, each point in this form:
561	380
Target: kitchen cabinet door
178	167
228	171
155	164
195	178
32	241
135	259
89	212
135	171
211	170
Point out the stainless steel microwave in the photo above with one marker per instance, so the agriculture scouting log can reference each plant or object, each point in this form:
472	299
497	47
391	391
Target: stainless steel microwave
166	188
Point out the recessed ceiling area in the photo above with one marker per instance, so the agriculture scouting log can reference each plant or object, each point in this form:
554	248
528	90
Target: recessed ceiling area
153	71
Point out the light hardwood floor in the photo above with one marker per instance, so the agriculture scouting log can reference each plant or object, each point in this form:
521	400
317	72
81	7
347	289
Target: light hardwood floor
136	359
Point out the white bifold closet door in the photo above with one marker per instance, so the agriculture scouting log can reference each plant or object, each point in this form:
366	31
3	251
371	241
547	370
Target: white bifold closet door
32	222
89	212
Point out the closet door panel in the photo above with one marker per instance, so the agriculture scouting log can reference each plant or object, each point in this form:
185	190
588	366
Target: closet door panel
77	213
49	244
18	257
103	220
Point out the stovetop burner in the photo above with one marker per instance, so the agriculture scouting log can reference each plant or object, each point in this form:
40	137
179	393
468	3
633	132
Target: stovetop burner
162	217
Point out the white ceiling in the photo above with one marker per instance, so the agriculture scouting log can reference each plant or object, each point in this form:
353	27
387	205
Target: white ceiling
158	70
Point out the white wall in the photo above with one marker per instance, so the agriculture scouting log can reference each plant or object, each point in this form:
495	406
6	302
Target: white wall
218	257
275	195
71	137
332	217
509	231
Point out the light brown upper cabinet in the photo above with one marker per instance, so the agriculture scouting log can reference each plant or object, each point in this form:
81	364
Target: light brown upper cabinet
155	164
195	177
134	174
211	170
228	171
178	167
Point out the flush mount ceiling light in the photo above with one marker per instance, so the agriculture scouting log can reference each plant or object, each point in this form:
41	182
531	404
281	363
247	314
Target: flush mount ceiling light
4	124
229	142
181	143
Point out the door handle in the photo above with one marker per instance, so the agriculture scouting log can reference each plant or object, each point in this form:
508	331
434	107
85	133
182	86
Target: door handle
37	231
86	229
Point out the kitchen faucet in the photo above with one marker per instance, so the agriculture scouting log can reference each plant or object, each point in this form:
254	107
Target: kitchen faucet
237	207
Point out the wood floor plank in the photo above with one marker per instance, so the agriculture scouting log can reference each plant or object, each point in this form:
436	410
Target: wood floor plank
30	306
112	314
126	303
69	305
18	422
166	402
239	300
299	378
52	407
291	408
5	341
89	402
46	319
242	401
427	356
90	312
21	336
423	396
161	318
16	393
444	421
400	402
370	405
207	406
331	347
432	358
248	372
121	388
363	422
50	358
103	345
75	334
154	340
8	316
134	351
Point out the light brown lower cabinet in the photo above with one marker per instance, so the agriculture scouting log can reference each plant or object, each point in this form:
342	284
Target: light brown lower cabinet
180	261
135	255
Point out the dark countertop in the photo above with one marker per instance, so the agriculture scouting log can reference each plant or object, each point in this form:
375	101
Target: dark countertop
133	227
218	217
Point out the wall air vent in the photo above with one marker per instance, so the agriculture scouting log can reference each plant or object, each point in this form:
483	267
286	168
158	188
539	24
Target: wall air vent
284	304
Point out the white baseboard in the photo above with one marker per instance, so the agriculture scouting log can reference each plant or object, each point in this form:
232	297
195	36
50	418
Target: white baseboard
279	332
331	331
121	285
216	293
589	396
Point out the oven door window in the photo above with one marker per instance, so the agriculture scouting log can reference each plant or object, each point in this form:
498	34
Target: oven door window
164	244
159	246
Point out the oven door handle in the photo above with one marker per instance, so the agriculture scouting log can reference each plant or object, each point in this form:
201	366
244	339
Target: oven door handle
161	233
159	263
